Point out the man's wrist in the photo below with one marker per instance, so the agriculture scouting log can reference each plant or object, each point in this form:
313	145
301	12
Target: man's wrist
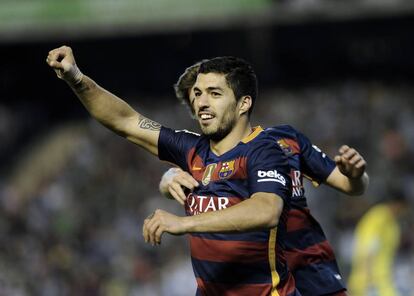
74	77
355	178
359	184
83	85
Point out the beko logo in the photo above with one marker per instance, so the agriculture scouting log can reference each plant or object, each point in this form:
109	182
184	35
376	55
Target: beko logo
271	176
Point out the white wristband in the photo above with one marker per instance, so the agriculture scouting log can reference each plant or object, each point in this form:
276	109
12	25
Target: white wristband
74	76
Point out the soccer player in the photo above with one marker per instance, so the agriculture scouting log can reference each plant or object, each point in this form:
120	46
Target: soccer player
377	238
310	256
236	217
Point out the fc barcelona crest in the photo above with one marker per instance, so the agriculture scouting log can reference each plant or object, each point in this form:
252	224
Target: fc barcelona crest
285	147
289	146
226	170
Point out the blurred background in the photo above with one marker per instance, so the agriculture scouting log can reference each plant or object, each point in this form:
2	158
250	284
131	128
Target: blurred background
73	195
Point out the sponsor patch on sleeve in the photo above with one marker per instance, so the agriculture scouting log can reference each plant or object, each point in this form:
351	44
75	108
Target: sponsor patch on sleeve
270	176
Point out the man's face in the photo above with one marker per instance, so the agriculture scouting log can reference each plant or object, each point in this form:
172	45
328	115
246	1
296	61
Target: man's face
214	105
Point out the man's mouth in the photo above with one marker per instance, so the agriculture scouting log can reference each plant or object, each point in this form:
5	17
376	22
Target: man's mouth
205	117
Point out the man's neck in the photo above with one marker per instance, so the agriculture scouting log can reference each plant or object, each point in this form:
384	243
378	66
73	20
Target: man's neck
238	133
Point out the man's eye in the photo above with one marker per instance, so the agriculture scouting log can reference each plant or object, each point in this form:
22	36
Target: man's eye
215	94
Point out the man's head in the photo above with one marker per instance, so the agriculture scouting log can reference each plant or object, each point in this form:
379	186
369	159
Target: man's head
398	199
185	84
239	75
224	93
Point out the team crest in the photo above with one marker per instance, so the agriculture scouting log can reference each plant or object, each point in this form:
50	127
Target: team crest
208	173
285	146
289	146
227	169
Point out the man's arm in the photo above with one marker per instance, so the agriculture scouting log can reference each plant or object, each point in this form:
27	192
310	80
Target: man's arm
108	109
175	180
349	175
261	211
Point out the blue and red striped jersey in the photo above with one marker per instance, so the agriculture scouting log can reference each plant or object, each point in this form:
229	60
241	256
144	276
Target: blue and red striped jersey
245	263
310	256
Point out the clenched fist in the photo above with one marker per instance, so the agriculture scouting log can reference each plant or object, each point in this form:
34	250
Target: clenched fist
350	162
62	61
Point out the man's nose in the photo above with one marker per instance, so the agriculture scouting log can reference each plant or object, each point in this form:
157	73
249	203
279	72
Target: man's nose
203	101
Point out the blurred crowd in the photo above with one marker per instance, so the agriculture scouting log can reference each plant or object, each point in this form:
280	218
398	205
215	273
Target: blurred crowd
73	196
318	3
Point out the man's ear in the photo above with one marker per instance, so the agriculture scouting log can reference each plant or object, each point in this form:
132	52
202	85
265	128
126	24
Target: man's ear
245	104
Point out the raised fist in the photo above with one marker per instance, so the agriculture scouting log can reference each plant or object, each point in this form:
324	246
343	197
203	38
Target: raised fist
62	61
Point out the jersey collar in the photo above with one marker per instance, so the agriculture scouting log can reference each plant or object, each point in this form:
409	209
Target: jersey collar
256	131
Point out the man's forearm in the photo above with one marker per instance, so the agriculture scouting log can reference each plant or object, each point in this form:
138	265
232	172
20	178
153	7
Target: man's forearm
107	108
104	106
258	212
117	115
351	186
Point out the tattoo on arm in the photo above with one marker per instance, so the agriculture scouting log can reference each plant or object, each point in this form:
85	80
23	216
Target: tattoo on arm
148	124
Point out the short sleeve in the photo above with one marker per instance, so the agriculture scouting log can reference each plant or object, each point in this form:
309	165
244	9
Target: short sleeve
174	146
268	170
315	164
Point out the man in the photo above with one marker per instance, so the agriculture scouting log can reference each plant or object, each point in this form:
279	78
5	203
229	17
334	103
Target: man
232	217
377	238
310	257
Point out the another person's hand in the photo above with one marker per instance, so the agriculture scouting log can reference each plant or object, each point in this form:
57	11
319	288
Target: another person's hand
62	61
174	182
350	162
159	222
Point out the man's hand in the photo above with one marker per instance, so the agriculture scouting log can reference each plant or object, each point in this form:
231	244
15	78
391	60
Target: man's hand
159	222
350	162
62	61
173	183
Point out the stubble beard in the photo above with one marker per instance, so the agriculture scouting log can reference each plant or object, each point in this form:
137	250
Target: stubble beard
221	131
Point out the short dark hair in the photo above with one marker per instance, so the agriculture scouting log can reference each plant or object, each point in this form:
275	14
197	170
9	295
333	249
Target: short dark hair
396	193
186	82
239	75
